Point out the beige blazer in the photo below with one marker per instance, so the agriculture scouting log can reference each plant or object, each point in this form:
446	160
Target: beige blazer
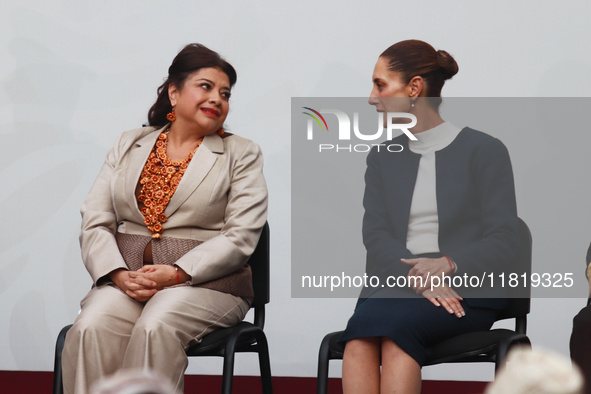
221	201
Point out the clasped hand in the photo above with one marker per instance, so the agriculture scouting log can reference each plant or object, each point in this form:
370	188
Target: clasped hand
443	295
142	284
423	269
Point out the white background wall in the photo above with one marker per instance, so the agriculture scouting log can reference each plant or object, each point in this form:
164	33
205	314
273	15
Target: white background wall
74	74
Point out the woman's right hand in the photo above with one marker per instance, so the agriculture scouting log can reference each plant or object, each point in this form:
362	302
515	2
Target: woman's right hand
447	297
140	289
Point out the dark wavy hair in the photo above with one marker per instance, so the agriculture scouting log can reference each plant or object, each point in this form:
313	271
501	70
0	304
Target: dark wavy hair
190	59
412	58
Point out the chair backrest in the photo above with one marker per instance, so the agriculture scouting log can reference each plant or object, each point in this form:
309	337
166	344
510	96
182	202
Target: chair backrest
520	296
259	262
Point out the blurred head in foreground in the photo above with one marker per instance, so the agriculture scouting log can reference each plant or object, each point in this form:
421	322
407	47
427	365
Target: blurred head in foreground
537	371
133	382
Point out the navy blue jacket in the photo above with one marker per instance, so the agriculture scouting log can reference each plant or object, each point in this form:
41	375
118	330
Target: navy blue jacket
475	203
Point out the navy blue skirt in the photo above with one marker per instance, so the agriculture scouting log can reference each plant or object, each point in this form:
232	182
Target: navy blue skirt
414	324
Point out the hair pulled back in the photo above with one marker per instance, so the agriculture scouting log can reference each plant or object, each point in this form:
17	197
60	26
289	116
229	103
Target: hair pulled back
411	58
190	59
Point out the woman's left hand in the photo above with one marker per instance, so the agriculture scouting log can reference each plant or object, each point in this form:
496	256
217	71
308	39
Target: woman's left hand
447	297
163	275
425	268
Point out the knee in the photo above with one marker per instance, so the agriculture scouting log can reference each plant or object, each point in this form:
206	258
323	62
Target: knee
85	333
391	350
87	325
359	347
151	328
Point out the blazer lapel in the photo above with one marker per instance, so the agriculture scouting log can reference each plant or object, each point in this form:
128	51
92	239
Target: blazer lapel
399	177
138	154
203	161
402	187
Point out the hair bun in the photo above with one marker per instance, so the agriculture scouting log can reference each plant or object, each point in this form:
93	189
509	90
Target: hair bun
448	65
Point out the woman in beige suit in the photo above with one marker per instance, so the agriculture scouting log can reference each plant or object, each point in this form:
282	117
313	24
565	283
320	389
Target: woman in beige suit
167	229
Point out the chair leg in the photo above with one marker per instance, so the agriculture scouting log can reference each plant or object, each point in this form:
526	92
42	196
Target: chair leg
264	364
323	359
504	348
58	387
229	355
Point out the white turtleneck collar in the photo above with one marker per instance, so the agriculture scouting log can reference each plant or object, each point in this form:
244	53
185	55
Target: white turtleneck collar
434	139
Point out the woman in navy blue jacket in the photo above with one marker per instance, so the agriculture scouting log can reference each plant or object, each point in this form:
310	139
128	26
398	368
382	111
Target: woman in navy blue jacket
444	206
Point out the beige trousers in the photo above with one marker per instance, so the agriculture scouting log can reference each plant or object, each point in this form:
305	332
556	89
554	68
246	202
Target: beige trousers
113	332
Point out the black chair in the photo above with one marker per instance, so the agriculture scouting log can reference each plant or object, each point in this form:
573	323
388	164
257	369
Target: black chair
480	346
225	342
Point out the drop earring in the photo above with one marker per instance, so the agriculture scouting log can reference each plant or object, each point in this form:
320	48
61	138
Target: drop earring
171	116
